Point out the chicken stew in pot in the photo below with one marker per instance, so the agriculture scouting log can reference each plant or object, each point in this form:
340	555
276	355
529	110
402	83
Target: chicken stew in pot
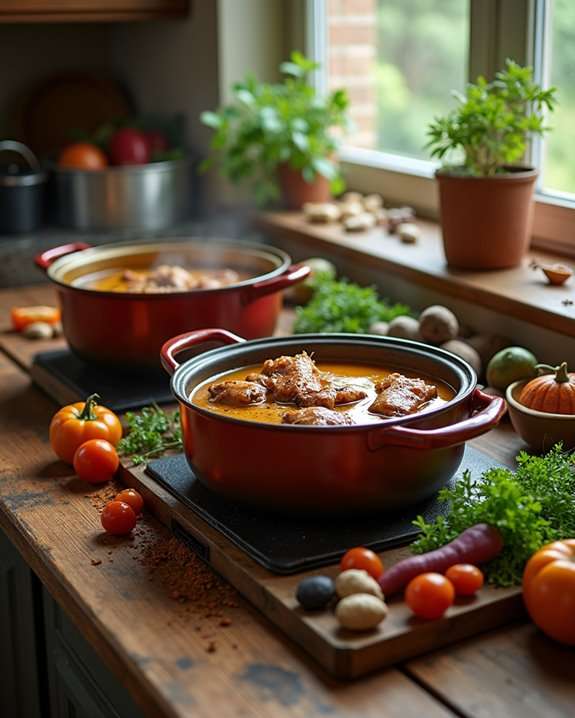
162	279
295	390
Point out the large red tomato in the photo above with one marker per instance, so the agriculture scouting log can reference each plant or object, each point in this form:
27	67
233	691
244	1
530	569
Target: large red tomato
129	146
549	590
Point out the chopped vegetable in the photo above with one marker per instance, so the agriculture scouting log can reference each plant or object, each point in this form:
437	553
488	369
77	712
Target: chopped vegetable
531	507
341	306
96	461
76	423
150	433
549	590
118	518
466	578
363	559
132	498
478	544
23	316
429	595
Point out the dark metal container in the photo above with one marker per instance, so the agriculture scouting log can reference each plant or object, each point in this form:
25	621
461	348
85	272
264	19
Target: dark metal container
21	190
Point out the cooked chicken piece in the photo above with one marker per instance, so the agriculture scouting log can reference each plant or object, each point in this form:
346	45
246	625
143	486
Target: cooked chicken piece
237	393
218	279
168	278
398	395
297	380
316	416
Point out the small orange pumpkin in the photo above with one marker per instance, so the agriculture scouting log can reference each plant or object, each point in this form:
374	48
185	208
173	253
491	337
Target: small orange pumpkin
554	392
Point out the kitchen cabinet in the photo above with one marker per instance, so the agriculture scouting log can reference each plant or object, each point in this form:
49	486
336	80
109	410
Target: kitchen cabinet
19	651
12	11
79	683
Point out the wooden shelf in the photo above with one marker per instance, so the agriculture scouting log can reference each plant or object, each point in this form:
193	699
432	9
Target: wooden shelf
42	11
521	292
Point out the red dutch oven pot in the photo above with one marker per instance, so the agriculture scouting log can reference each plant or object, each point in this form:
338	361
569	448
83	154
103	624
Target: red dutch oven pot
328	469
126	330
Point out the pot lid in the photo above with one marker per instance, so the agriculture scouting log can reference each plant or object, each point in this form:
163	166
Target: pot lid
15	174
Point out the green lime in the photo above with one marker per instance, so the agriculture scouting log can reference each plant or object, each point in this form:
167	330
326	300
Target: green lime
509	365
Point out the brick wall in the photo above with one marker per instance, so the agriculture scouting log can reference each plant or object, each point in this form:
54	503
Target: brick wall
351	62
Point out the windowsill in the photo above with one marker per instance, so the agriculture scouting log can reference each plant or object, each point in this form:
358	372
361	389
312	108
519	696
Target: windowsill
520	293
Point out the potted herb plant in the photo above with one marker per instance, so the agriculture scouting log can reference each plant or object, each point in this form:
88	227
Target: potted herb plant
280	137
485	197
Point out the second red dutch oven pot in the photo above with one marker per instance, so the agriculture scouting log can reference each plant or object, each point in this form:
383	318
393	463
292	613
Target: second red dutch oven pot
127	330
326	470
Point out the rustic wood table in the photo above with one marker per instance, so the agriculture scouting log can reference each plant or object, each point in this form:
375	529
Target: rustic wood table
144	637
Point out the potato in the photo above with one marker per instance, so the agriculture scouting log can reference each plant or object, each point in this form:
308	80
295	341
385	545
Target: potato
467	353
321	212
438	324
404	327
380	328
359	223
356	581
360	612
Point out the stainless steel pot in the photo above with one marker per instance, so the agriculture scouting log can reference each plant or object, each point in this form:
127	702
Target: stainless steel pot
148	197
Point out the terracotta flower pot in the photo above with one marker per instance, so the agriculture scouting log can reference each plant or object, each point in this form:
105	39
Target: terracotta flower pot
486	221
296	191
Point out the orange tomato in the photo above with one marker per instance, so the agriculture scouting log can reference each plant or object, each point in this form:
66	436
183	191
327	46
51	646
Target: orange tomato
132	498
23	316
76	423
118	518
362	558
82	156
429	595
466	578
549	590
96	461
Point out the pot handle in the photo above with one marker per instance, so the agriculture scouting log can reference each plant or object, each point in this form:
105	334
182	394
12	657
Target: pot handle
487	409
47	258
294	274
190	339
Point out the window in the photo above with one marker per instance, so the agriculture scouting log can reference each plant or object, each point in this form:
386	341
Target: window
556	36
399	61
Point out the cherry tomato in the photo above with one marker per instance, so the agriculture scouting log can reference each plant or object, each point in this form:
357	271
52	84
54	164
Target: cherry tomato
118	518
429	595
362	558
132	498
466	578
83	156
96	461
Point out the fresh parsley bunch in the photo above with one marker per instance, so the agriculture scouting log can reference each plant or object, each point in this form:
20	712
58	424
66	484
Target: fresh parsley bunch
342	306
531	507
149	433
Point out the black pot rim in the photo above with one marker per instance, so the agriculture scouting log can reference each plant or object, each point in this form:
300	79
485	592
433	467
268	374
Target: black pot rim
185	371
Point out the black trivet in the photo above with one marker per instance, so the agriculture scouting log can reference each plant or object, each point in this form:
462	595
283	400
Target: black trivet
67	379
290	545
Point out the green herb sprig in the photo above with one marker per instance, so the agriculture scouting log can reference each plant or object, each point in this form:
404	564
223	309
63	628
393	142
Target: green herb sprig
150	433
342	306
531	507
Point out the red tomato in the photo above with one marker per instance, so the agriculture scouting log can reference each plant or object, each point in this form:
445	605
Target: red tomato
429	595
466	578
157	142
362	558
82	156
96	461
132	498
118	518
129	147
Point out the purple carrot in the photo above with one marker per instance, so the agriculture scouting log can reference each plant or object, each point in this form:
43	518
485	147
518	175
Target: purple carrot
477	544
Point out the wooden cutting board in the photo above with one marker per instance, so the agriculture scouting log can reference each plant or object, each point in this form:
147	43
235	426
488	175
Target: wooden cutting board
344	654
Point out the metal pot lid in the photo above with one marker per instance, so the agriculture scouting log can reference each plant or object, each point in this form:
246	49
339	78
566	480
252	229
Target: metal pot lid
14	174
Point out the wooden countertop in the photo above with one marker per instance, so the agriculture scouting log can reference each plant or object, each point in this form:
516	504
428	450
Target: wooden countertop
145	636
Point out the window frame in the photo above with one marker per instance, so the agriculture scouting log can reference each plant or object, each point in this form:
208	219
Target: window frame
498	29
